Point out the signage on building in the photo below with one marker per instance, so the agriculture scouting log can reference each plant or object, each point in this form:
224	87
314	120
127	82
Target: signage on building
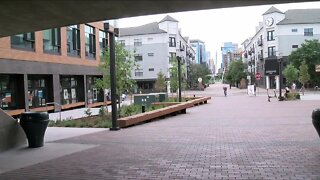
271	67
258	76
318	68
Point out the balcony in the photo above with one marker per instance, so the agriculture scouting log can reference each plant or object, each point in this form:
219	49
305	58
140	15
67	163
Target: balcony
260	57
181	47
260	42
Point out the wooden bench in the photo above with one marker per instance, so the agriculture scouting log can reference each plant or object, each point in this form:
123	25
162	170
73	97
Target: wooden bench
143	117
171	109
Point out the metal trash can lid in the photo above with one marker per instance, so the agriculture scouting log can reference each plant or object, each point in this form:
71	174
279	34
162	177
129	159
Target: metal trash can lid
34	116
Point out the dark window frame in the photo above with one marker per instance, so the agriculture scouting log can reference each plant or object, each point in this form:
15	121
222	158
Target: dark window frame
308	31
270	35
90	44
27	41
172	42
55	46
74	46
271	51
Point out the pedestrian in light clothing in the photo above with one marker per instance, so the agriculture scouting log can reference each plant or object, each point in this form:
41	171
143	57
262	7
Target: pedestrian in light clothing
225	90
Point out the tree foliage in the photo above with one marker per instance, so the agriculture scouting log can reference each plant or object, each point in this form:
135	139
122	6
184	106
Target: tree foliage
236	72
198	71
310	53
160	84
174	81
291	73
124	65
304	74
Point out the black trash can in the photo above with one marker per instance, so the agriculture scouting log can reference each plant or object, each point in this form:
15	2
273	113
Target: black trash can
34	125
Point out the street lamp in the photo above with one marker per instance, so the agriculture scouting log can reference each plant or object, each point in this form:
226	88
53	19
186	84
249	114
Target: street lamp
280	79
112	34
179	76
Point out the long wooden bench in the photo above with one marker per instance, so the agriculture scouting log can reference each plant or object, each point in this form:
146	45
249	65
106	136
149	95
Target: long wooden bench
171	109
142	117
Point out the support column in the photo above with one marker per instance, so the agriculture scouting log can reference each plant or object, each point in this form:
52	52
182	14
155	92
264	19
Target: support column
267	82
56	91
85	91
277	82
26	94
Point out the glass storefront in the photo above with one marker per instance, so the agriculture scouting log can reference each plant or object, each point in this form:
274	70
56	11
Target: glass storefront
72	89
11	92
39	90
93	94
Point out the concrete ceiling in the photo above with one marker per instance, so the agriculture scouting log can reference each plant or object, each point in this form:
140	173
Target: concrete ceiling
19	16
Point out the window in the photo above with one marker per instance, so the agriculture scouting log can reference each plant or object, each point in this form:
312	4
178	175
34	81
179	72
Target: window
308	31
271	51
51	40
150	54
138	57
151	69
172	42
138	72
73	40
137	42
23	41
102	41
172	56
295	46
90	50
122	42
270	36
294	30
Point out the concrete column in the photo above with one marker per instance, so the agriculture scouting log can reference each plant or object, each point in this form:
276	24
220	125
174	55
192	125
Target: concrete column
277	82
26	94
56	91
85	90
268	82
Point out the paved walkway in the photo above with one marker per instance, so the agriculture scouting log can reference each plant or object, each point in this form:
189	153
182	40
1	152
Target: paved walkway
233	137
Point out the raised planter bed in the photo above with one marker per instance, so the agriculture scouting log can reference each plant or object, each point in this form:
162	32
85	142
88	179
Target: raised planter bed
171	109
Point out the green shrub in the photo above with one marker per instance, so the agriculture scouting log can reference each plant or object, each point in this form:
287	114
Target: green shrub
292	96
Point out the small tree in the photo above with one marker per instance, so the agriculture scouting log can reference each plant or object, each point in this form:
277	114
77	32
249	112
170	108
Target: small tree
304	74
174	78
291	73
160	84
124	65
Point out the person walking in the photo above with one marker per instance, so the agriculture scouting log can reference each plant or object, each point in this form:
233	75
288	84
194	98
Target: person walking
225	90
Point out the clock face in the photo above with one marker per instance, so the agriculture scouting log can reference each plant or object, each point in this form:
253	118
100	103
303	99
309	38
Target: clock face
269	21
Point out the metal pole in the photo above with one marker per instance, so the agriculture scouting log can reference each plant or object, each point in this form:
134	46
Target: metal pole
113	83
179	76
280	80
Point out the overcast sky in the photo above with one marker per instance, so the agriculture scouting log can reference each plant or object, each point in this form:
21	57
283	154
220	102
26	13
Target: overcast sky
218	25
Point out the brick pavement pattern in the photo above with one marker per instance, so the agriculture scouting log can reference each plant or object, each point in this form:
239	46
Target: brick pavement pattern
233	137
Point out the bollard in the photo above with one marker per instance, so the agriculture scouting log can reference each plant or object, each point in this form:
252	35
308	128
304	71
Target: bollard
143	108
316	120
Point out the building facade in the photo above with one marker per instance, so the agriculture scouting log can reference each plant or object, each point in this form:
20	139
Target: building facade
155	46
51	69
276	37
200	50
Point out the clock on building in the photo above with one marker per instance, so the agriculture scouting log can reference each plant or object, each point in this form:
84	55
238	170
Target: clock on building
269	21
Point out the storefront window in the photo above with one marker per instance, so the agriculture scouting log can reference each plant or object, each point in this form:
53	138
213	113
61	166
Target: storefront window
93	94
37	92
72	89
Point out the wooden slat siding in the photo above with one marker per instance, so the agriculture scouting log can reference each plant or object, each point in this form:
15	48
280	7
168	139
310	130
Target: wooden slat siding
41	109
15	112
68	106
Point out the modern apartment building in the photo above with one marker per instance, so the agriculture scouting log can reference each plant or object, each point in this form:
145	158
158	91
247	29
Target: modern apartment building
155	46
276	37
200	49
51	69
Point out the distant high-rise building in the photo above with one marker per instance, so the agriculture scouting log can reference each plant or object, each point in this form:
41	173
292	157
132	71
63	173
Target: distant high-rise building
230	52
200	48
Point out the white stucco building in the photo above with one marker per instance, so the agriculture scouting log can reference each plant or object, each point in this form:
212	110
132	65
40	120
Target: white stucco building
154	45
276	37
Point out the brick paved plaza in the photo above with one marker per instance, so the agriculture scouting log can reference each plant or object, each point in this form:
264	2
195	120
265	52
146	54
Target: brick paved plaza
233	137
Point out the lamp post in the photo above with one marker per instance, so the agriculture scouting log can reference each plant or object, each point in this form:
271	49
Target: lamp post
280	79
112	34
179	76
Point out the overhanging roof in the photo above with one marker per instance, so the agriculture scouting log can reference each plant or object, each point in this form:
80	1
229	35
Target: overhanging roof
19	16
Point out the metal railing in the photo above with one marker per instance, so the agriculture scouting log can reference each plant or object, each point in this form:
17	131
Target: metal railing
55	103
